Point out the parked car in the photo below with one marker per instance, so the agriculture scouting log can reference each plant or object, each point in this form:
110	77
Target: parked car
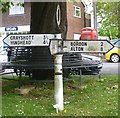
96	64
72	62
3	56
87	63
114	54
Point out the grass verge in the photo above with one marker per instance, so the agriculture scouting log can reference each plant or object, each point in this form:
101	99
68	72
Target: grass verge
98	98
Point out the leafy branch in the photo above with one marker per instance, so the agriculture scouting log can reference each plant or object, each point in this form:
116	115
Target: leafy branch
4	6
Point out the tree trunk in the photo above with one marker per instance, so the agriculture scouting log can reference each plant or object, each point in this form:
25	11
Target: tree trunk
43	21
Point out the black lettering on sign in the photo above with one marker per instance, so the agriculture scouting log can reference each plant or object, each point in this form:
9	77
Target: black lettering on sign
101	46
77	48
77	43
12	37
17	42
45	39
28	42
22	37
101	43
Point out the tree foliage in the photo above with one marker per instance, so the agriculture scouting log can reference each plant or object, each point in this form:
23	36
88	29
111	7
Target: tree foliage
109	16
4	6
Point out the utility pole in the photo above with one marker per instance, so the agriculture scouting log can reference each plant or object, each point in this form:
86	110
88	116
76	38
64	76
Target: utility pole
95	14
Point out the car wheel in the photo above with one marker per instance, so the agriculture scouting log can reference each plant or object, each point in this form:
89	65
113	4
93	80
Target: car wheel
115	58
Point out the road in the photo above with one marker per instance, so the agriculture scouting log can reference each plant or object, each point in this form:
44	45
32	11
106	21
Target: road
110	68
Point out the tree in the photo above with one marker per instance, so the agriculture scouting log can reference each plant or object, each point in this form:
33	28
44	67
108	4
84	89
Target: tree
4	6
43	20
108	14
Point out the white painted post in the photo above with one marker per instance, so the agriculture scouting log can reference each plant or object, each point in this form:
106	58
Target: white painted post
58	82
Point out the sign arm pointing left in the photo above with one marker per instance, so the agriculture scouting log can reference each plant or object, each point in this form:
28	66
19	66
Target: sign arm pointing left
30	39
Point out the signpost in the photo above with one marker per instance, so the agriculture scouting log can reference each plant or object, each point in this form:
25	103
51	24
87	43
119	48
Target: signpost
30	39
87	46
42	40
59	46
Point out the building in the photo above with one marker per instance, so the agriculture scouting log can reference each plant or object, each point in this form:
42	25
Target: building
75	19
17	20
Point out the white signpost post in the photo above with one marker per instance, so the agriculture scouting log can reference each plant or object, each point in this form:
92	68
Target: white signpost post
55	46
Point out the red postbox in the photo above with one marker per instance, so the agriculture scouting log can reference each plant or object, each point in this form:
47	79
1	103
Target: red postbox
89	33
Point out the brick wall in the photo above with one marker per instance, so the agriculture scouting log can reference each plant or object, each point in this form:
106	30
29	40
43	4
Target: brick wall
17	20
74	24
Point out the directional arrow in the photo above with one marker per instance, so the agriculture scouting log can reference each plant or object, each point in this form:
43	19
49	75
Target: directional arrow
30	39
100	46
87	46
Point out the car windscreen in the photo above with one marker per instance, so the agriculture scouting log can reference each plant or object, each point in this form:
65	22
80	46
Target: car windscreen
117	44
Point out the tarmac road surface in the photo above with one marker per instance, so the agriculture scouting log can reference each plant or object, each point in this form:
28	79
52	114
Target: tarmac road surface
110	68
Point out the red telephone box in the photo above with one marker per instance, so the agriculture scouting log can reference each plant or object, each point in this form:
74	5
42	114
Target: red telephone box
89	33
